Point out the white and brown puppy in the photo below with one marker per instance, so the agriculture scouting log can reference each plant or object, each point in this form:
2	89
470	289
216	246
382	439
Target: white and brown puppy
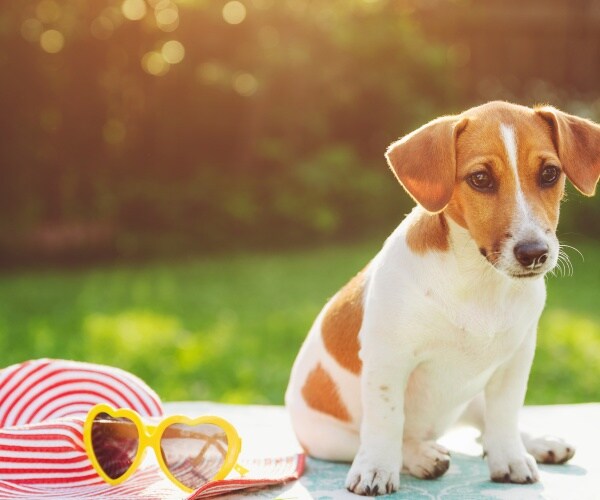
441	324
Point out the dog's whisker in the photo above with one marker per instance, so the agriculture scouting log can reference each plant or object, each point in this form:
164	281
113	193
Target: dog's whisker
562	269
569	265
556	271
564	265
564	258
563	245
560	263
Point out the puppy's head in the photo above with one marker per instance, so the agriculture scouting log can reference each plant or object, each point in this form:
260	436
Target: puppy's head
499	171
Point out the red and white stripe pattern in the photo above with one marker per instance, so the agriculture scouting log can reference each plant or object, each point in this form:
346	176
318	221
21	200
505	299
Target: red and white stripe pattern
147	484
45	389
43	404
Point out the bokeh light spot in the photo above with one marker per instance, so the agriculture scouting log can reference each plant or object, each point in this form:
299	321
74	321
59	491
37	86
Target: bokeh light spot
48	11
173	52
52	41
134	10
114	131
245	84
31	29
167	15
154	64
234	12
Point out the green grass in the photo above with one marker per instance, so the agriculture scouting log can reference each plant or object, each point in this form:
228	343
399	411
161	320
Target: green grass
228	328
566	368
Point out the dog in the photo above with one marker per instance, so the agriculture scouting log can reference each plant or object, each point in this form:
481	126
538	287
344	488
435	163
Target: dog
441	325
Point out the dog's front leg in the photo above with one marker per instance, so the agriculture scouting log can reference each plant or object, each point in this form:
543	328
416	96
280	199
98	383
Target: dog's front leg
508	459
376	467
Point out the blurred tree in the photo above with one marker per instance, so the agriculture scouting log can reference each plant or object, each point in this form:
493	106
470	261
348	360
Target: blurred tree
132	127
141	126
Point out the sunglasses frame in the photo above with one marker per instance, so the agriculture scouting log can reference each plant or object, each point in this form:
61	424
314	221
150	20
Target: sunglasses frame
150	436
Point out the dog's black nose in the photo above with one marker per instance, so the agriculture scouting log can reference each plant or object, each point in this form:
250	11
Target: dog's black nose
531	253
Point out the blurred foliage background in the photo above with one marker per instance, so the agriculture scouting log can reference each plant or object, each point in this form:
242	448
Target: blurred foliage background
135	128
168	129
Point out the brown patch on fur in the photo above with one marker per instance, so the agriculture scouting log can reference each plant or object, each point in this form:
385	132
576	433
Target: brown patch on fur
428	234
321	393
342	322
577	142
488	216
424	161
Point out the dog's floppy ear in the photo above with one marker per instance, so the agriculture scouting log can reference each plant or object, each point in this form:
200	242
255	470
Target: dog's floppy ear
424	161
577	142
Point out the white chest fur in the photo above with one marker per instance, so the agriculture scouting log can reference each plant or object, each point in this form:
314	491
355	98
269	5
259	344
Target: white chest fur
451	315
442	291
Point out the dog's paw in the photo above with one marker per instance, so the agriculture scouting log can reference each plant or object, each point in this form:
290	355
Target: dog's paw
507	467
425	459
549	449
373	477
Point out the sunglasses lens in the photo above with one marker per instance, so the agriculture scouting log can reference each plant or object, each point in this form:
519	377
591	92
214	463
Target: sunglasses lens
115	443
194	454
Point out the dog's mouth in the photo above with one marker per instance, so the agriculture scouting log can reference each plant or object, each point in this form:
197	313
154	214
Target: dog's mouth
526	275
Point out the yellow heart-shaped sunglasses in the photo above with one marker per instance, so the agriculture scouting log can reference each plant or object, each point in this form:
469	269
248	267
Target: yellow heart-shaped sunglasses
190	451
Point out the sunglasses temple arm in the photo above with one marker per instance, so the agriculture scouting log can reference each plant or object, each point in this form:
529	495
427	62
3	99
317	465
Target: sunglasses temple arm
240	469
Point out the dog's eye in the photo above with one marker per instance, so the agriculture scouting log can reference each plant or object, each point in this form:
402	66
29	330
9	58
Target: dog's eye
549	175
481	181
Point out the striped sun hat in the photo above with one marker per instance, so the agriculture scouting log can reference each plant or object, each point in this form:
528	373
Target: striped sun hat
43	404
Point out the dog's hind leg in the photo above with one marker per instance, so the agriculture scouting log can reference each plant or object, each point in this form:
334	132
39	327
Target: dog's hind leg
548	449
474	413
545	449
323	436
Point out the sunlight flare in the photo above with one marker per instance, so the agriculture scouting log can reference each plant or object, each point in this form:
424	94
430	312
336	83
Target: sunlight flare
134	10
173	52
234	12
52	41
